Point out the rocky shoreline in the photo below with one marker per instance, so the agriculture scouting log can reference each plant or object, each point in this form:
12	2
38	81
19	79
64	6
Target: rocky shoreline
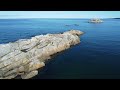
24	57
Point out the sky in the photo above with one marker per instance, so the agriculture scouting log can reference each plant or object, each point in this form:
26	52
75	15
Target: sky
59	14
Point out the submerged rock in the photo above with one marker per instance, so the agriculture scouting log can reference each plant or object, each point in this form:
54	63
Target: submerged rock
24	57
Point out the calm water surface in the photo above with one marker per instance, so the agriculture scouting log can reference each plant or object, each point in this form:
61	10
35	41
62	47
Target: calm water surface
97	56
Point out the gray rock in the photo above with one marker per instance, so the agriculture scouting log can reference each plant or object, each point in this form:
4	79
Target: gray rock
29	75
25	56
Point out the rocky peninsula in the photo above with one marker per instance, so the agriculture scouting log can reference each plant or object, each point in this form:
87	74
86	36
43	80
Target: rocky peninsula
24	57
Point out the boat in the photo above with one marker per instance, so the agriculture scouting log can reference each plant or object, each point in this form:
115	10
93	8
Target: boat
76	24
67	25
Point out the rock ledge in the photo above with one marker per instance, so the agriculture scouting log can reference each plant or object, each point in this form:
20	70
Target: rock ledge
23	57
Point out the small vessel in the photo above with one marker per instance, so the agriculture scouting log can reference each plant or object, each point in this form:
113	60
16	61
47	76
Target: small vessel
95	21
67	25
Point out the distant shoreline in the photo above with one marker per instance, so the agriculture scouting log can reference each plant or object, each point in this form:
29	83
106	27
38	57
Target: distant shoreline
116	18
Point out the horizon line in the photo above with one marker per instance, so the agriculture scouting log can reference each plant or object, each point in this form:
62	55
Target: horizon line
56	18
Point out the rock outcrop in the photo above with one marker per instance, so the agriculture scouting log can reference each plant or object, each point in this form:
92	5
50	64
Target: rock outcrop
24	57
95	21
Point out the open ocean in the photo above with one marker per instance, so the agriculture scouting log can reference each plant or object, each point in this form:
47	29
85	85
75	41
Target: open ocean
96	57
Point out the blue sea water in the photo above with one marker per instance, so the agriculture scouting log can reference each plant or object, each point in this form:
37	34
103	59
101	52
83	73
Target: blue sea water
96	57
